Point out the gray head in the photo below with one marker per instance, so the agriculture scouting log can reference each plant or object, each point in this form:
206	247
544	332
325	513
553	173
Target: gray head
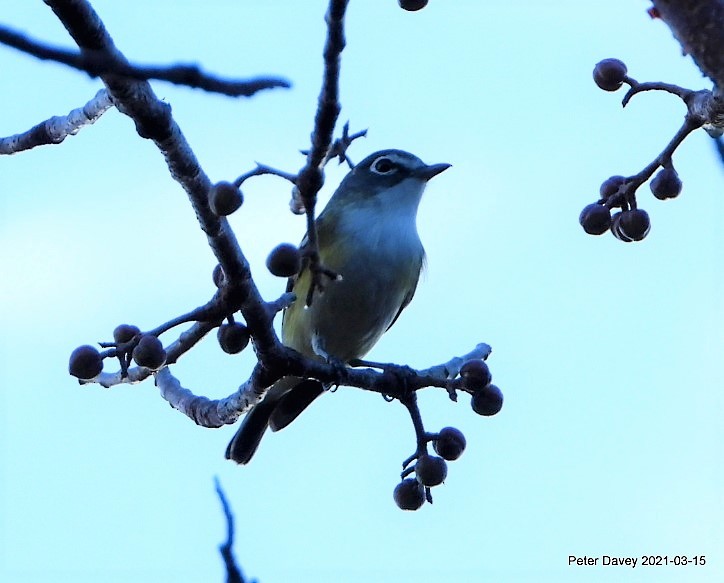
384	170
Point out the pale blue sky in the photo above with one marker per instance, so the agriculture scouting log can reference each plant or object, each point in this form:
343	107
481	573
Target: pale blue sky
609	355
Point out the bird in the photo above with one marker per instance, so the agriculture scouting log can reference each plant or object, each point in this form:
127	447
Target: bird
367	235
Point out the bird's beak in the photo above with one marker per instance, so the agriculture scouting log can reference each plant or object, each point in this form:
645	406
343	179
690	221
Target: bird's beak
428	172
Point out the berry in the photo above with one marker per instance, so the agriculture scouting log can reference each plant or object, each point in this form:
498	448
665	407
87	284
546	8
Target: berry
225	198
85	362
666	184
616	226
450	443
487	401
475	374
609	74
595	219
412	5
149	352
635	224
409	494
218	276
284	260
233	338
430	470
631	225
125	333
610	186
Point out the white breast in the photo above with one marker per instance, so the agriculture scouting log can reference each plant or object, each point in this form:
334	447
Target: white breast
386	225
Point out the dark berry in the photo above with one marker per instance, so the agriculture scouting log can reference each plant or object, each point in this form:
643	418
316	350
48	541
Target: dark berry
233	338
487	401
412	5
450	443
610	186
284	260
149	352
616	227
475	374
666	184
595	219
409	494
631	225
218	276
635	224
125	333
225	198
430	470
609	74
85	362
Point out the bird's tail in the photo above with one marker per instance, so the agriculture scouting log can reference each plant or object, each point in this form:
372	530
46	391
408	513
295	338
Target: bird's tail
282	404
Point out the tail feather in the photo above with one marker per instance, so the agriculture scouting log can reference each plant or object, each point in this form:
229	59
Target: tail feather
281	405
294	402
246	441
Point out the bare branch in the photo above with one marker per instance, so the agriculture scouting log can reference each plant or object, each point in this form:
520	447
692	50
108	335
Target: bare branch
233	573
311	177
57	128
153	120
98	63
215	413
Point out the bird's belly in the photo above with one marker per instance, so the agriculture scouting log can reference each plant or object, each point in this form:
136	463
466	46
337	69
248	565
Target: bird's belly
350	316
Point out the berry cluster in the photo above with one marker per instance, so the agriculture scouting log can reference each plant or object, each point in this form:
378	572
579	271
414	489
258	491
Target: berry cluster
145	349
631	223
628	224
129	344
431	470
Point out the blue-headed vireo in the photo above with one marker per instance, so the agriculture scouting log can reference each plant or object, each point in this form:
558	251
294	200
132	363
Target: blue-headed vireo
367	234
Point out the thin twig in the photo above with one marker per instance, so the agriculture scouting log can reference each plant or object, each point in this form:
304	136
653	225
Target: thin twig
185	342
99	63
261	170
637	87
311	178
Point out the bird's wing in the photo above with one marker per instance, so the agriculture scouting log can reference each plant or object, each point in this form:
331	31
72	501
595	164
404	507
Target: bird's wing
410	294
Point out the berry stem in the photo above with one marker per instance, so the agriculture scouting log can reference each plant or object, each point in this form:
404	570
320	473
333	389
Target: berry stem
626	194
410	402
637	87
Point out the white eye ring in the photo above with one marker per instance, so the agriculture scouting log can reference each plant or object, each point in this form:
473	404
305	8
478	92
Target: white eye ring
383	165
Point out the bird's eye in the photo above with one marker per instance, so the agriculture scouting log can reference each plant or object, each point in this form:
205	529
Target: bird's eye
383	166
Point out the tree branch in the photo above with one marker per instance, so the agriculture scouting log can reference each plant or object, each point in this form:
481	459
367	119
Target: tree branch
57	128
699	26
98	63
218	412
233	573
153	120
311	177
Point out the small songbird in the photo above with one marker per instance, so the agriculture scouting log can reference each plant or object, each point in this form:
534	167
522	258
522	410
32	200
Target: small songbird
367	234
